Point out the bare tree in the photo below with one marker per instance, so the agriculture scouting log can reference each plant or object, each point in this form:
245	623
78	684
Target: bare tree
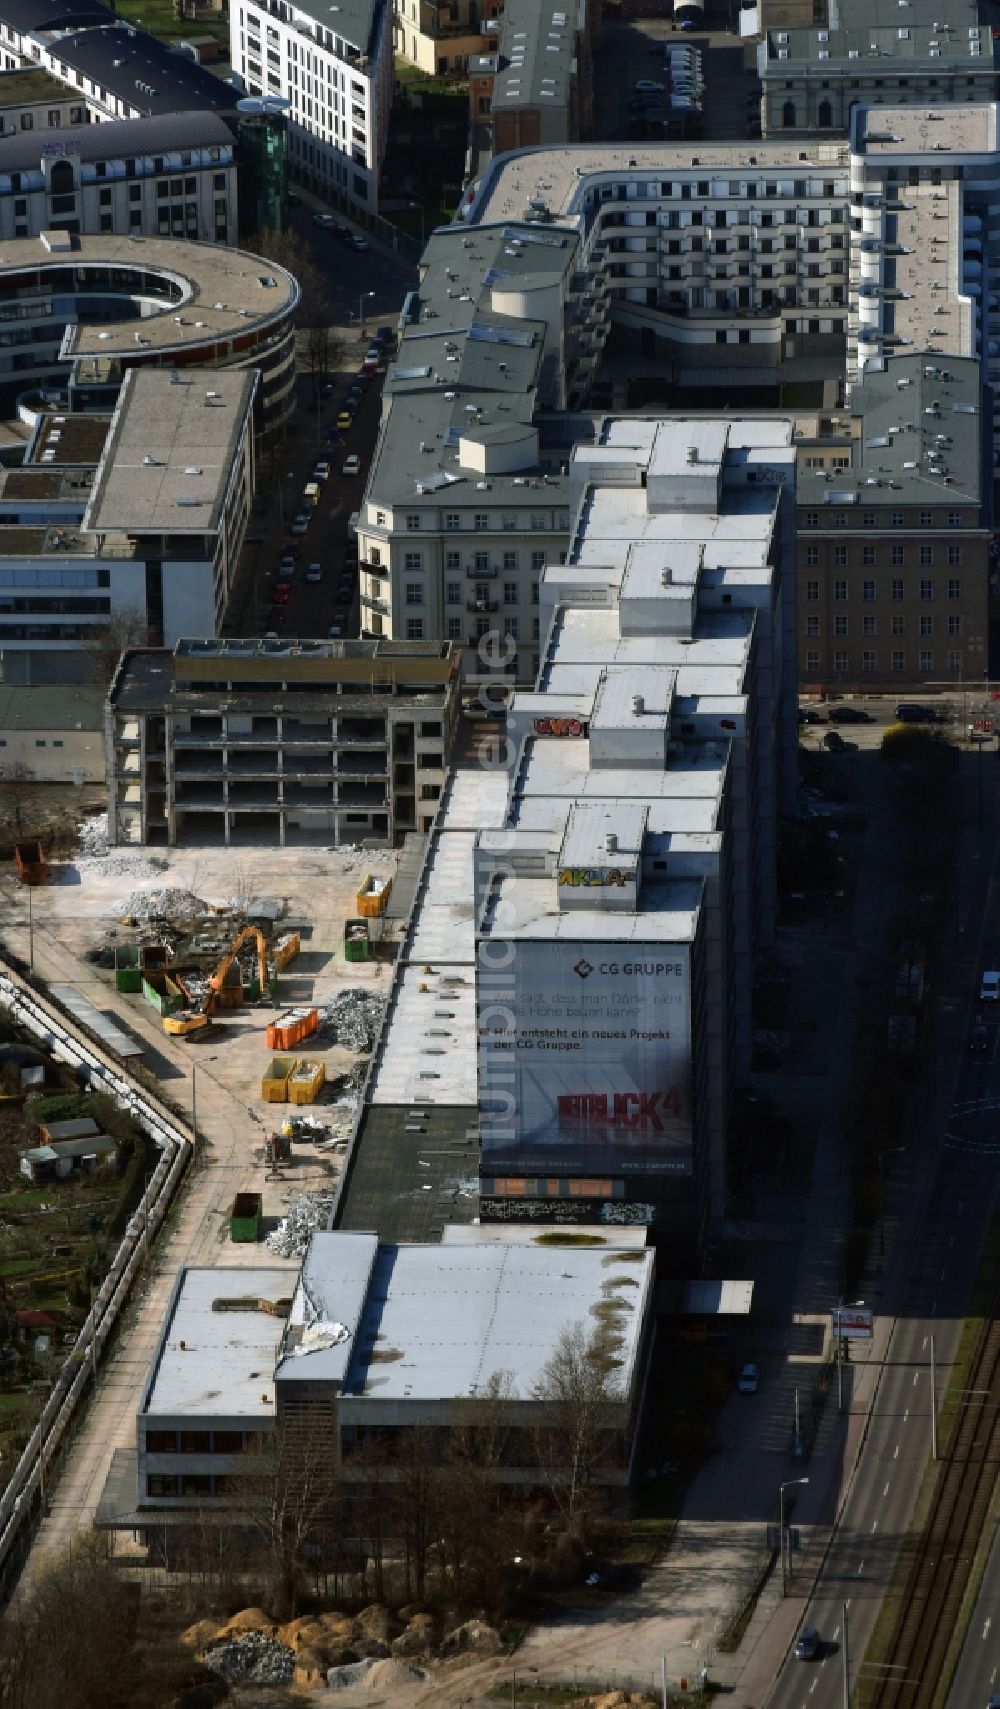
324	353
124	629
578	1395
292	1497
16	780
286	249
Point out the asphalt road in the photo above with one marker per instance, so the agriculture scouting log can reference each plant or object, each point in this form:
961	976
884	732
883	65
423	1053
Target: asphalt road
374	281
977	1676
926	1290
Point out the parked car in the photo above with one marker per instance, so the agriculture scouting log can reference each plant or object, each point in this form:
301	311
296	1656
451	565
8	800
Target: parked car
834	742
979	1039
282	594
807	1645
748	1379
809	715
321	472
912	712
384	334
646	86
850	715
314	573
327	221
352	464
989	987
293	198
345	421
358	242
300	522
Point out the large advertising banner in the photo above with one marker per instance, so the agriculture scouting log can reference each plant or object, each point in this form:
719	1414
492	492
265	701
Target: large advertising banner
585	1059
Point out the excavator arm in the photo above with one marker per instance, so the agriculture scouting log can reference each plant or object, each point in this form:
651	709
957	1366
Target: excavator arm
217	979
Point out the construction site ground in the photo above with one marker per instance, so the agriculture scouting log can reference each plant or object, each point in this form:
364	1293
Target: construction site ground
70	915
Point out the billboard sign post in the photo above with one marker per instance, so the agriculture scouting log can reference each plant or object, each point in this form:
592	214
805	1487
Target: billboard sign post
852	1322
596	1067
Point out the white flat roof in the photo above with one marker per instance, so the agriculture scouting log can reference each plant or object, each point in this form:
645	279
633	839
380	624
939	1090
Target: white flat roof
447	1318
431	1028
220	1363
326	1311
556	767
667	913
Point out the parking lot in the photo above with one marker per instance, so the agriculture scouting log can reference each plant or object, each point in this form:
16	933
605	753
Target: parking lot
634	51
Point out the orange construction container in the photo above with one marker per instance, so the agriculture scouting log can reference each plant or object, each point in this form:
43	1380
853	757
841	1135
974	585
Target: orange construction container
289	1029
373	897
285	949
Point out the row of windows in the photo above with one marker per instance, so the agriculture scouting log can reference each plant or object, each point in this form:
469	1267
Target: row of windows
870	519
897	661
843	556
869	626
897	588
481	520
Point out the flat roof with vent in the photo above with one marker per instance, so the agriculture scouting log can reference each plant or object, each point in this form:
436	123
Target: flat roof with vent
169	456
219	1343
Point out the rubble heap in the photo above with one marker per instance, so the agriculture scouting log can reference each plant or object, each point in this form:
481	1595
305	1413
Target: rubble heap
169	904
304	1216
355	1017
252	1658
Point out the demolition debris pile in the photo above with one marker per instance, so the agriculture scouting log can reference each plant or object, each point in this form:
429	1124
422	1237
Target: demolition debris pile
168	904
295	1230
354	1019
252	1658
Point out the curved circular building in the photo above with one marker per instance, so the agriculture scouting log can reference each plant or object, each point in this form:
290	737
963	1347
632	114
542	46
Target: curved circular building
76	312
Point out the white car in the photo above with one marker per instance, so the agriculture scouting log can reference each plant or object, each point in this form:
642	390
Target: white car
748	1379
325	220
352	464
314	573
989	987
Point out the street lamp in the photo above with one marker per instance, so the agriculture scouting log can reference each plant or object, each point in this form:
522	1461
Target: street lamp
418	207
790	1484
361	308
890	1151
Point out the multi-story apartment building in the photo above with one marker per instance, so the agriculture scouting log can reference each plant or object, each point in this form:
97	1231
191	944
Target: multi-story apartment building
279	741
893	549
535	83
335	70
115	69
744	259
139	517
872	52
635	870
442	36
173	176
36	101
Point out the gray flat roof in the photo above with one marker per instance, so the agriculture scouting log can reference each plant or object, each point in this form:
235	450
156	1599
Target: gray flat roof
441	1321
213	1363
354	19
168	459
901	37
536	54
920	440
101	1025
220	291
415	1167
51	706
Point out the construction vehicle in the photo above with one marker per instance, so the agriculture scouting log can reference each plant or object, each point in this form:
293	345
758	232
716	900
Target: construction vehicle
231	996
196	1018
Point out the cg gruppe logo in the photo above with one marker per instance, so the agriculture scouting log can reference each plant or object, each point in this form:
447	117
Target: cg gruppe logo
583	969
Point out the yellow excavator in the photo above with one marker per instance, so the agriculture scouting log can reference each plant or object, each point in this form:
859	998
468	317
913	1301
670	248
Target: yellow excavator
188	1023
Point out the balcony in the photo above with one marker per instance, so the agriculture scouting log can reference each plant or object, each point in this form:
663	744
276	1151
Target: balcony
482	575
481	606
